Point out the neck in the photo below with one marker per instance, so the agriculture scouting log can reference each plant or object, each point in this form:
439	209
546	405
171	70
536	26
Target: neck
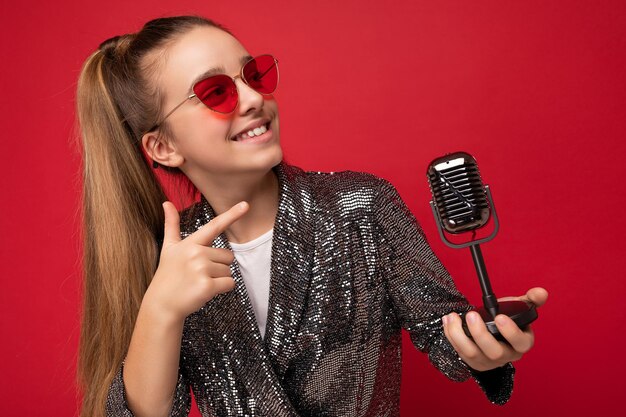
261	191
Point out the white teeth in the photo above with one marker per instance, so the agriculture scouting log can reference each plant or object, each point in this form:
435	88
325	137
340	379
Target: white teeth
253	132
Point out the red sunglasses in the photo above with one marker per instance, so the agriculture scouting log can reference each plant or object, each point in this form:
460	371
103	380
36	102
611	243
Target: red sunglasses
219	92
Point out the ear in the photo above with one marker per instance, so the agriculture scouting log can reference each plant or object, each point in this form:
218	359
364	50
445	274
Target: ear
161	150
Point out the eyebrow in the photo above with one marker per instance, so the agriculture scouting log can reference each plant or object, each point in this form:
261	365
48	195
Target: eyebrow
214	71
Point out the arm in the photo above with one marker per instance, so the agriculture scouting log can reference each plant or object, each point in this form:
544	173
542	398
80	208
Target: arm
117	404
423	291
149	383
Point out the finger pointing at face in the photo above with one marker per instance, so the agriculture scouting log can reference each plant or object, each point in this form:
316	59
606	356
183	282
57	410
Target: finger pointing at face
207	233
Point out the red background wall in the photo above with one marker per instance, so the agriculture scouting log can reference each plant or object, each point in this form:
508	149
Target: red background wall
534	89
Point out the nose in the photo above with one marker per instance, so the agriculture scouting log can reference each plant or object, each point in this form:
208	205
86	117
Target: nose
249	99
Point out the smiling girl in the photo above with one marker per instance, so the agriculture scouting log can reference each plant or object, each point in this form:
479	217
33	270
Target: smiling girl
280	292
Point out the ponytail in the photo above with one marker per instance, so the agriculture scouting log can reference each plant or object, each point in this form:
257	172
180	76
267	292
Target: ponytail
121	216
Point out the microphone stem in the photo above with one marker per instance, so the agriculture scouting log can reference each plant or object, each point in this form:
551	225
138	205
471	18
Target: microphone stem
489	298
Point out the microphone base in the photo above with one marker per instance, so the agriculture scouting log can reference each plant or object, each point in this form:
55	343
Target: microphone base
520	312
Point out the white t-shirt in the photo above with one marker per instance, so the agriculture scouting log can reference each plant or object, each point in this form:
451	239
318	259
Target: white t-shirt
254	259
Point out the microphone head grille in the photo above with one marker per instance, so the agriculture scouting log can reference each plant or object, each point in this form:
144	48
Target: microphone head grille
458	192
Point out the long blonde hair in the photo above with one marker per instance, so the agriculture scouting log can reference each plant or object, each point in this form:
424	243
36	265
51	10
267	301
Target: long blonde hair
122	216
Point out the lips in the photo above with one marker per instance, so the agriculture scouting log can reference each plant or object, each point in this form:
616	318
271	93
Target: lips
250	127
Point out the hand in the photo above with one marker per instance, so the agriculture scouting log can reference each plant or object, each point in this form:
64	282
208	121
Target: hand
484	352
190	271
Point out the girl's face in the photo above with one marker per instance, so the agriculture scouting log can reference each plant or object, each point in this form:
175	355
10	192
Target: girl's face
203	141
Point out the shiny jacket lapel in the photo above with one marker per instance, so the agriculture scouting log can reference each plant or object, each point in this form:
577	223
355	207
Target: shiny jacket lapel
292	262
231	316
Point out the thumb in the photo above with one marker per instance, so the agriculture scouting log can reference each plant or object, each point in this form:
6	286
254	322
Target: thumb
172	224
537	296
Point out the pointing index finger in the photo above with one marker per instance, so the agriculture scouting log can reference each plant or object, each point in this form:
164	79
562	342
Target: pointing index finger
207	233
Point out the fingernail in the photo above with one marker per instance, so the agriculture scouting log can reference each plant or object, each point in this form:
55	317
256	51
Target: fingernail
444	319
242	205
471	317
501	320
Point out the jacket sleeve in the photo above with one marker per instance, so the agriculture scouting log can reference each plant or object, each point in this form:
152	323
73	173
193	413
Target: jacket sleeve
422	292
116	404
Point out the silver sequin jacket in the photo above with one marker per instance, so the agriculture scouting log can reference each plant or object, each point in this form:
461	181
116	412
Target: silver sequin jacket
350	268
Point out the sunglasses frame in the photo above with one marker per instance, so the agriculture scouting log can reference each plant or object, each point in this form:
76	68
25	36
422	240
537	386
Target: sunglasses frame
240	75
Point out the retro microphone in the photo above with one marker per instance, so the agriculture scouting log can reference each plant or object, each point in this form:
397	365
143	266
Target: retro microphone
461	203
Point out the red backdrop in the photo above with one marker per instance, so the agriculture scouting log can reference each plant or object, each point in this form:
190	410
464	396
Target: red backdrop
534	89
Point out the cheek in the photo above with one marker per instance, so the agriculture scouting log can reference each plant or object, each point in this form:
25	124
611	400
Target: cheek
202	128
271	108
271	104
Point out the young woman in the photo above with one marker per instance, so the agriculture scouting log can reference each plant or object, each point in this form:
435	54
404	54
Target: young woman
280	292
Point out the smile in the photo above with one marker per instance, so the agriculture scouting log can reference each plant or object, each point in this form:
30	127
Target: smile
257	131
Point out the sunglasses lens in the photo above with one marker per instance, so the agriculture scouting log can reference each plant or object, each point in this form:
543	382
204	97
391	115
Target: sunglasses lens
218	93
261	73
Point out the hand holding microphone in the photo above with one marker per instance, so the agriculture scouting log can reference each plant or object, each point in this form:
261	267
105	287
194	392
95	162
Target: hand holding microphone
482	351
499	332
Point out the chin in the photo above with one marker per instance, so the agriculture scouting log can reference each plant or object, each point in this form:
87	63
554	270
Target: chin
279	156
276	159
266	161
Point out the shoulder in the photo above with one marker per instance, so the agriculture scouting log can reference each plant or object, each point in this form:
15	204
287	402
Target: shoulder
363	183
359	195
348	189
344	180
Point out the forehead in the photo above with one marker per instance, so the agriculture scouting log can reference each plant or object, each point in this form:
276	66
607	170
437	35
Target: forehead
197	51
